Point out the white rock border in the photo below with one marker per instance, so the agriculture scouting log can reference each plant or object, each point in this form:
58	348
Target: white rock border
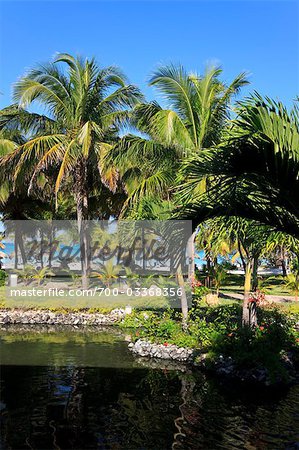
169	351
35	317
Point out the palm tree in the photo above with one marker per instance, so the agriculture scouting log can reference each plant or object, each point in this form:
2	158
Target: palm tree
108	273
246	239
148	164
253	173
41	274
197	115
213	238
283	245
86	105
292	282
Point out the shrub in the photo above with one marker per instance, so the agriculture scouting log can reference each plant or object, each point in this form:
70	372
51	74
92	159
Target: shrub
262	346
218	331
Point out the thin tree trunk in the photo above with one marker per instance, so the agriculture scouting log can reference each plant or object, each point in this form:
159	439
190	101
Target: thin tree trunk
191	252
209	266
283	262
249	316
16	251
19	244
184	302
247	288
254	273
284	268
42	249
83	243
82	216
51	244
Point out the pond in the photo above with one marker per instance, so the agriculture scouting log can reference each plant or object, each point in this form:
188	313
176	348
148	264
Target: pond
82	389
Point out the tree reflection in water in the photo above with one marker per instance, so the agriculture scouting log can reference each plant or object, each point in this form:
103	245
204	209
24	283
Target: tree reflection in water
145	404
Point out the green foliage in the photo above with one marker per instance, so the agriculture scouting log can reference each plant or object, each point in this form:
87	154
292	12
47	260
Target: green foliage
218	331
30	273
198	295
262	346
3	276
197	112
253	170
160	328
292	282
204	327
219	276
109	273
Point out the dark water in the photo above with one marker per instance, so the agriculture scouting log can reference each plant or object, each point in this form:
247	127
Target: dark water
83	390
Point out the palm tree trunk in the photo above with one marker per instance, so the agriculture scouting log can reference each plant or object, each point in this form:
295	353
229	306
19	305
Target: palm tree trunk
184	302
83	242
51	243
16	251
283	261
254	273
209	267
41	249
249	316
19	244
191	252
247	288
82	216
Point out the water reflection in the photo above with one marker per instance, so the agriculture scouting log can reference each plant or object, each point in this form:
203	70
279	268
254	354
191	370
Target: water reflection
136	406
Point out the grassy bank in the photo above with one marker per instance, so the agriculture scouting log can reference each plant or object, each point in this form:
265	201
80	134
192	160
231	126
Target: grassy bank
217	331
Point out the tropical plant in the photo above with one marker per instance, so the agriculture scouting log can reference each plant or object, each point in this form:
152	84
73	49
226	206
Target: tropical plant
219	277
108	273
214	240
284	246
30	273
41	274
253	173
26	273
292	283
148	164
198	112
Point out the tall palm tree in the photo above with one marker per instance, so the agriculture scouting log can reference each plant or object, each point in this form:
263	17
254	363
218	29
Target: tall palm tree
85	107
198	112
197	115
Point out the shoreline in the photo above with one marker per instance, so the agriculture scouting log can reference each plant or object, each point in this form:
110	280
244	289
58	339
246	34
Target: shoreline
145	349
48	317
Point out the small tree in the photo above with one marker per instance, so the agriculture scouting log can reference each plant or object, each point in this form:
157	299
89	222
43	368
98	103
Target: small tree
219	277
108	273
292	282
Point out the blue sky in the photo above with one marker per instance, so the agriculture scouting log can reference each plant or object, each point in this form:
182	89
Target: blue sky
260	37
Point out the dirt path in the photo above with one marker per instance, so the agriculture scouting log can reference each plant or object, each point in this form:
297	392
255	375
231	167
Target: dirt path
269	298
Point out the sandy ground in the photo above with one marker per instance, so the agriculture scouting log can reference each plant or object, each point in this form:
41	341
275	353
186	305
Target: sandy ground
269	298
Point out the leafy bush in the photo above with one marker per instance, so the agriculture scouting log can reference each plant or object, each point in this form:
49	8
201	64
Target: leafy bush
262	346
218	331
198	295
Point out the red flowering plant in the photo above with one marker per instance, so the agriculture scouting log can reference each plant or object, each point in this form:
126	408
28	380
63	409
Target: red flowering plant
257	298
198	290
195	283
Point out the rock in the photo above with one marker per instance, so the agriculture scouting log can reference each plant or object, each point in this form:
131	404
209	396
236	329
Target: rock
170	352
48	317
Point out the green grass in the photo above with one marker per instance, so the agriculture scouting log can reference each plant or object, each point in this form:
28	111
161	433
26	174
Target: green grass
270	285
99	302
